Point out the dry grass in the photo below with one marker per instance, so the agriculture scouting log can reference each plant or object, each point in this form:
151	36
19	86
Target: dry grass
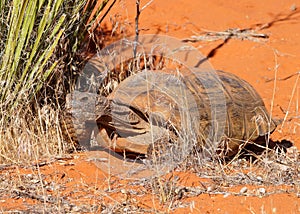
259	178
31	136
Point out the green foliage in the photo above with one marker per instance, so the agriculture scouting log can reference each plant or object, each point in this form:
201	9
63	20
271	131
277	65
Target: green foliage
39	44
28	46
32	32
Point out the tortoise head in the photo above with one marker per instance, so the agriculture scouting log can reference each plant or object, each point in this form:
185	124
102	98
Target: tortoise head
82	110
85	106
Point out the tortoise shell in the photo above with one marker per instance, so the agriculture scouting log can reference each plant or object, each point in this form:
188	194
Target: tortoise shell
216	109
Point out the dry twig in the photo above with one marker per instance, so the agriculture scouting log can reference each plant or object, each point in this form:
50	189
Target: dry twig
232	33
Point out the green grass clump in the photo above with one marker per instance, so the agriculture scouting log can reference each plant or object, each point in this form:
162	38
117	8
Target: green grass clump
40	43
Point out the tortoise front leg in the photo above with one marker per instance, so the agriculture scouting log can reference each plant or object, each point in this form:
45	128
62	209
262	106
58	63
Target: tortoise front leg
119	144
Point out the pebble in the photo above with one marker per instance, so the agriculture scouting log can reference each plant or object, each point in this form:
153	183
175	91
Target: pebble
226	195
211	188
243	190
293	7
262	191
259	178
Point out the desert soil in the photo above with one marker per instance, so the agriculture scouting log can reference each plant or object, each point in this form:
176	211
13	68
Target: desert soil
271	65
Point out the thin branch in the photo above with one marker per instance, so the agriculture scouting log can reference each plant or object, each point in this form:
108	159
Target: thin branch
136	27
284	78
242	34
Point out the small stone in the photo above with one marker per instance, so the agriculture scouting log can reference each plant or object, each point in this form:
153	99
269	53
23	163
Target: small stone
262	191
226	195
293	7
211	188
35	181
259	178
29	176
243	190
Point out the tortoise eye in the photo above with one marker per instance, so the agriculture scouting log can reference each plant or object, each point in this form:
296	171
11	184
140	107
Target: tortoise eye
84	99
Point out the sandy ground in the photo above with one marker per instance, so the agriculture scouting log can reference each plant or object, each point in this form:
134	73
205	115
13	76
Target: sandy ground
271	65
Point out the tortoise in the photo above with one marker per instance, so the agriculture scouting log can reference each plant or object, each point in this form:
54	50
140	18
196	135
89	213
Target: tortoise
215	111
